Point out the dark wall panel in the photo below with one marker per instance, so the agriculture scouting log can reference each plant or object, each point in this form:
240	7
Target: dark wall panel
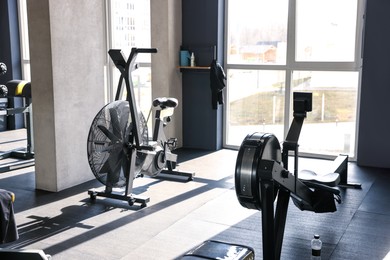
374	121
10	55
202	28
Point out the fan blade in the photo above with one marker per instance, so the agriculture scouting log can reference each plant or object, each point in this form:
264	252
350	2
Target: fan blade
109	148
126	167
113	177
109	135
123	170
126	132
114	155
107	144
115	122
113	167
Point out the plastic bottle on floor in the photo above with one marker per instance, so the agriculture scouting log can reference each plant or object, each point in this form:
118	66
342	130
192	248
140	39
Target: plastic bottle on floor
316	245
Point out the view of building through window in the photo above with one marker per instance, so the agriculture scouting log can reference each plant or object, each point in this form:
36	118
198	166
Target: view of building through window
326	33
130	27
257	32
277	47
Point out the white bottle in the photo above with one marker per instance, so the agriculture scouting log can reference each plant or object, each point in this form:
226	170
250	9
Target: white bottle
192	60
316	245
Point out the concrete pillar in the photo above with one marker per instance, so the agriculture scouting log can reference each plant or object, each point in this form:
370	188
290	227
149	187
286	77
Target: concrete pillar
166	77
67	52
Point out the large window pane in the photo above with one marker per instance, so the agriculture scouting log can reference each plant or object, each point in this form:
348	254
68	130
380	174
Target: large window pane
257	31
256	103
142	88
326	30
130	27
330	127
25	50
322	39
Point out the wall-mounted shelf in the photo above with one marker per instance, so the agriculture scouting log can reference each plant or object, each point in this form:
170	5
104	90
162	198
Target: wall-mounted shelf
196	68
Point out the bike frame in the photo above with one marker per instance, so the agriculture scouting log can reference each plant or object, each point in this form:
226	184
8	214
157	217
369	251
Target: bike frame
125	68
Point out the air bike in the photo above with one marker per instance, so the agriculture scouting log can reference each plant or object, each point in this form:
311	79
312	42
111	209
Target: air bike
119	149
262	176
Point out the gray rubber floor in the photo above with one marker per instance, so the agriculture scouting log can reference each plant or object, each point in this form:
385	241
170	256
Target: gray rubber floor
182	214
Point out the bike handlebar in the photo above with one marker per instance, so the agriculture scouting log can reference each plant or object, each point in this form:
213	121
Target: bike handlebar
145	50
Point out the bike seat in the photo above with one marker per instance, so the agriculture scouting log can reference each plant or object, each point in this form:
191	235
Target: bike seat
164	102
330	179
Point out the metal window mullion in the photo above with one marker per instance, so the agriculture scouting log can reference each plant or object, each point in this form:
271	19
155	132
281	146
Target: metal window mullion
290	62
256	66
109	66
359	55
325	66
225	93
22	12
360	17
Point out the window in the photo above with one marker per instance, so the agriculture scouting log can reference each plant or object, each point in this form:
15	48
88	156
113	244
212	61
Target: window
257	32
24	45
128	27
274	48
326	33
256	102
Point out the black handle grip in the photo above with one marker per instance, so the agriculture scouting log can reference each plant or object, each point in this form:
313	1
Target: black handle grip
146	50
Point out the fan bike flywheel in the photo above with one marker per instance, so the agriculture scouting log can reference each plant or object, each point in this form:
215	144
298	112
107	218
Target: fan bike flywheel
108	147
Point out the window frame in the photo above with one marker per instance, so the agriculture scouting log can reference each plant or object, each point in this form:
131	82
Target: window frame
293	65
110	86
24	41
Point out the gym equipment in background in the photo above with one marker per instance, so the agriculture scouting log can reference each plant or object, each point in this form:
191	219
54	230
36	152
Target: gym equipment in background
119	149
213	249
262	176
24	254
9	231
18	88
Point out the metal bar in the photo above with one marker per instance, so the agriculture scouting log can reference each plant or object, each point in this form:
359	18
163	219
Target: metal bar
158	125
280	220
267	218
130	171
130	66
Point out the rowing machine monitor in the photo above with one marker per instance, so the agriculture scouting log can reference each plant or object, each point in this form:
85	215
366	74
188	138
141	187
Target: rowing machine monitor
302	103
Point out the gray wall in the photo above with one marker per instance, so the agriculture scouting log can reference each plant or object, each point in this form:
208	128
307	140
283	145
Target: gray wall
67	49
67	46
166	21
374	121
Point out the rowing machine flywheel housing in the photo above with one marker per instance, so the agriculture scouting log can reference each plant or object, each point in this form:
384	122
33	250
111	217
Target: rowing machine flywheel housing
254	148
